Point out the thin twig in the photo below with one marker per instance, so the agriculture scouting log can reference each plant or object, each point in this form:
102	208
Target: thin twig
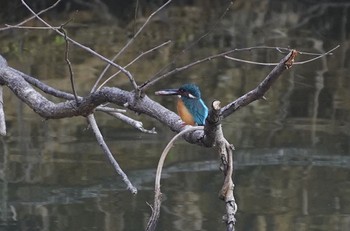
126	72
156	78
157	193
129	42
102	143
135	15
211	29
196	41
103	108
274	64
153	80
66	57
3	63
262	88
168	147
133	61
30	18
2	114
312	53
43	86
318	57
141	28
250	62
134	123
31	27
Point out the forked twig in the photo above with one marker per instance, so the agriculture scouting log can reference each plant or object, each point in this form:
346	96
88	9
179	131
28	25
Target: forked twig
30	18
295	63
129	43
130	63
264	85
192	44
156	78
318	57
126	72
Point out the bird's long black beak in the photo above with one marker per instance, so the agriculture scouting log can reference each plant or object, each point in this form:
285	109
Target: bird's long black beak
168	92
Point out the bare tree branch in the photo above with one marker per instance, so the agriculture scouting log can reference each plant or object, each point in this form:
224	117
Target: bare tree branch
66	57
110	109
318	57
3	63
2	114
225	152
226	155
130	42
18	25
190	45
157	193
126	72
47	109
156	78
134	123
102	143
50	110
226	193
130	63
42	86
115	112
295	63
210	135
262	88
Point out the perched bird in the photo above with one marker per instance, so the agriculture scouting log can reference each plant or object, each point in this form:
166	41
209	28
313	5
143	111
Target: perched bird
190	106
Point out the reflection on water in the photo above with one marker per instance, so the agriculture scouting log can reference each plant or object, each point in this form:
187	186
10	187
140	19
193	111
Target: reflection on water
292	160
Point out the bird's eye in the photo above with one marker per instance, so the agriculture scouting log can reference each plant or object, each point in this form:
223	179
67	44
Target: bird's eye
191	96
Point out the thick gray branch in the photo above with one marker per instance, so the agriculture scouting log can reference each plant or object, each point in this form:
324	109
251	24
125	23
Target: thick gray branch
21	85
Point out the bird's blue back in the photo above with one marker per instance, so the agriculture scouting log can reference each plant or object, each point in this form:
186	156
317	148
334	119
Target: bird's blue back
197	108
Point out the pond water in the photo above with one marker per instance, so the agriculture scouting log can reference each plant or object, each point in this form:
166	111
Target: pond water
292	158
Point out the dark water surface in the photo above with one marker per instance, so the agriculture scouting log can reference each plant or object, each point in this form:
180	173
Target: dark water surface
292	155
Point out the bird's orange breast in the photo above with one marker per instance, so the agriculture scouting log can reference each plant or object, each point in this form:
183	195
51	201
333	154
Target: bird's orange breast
184	113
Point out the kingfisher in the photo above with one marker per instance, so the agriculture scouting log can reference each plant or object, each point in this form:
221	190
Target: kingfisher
190	106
